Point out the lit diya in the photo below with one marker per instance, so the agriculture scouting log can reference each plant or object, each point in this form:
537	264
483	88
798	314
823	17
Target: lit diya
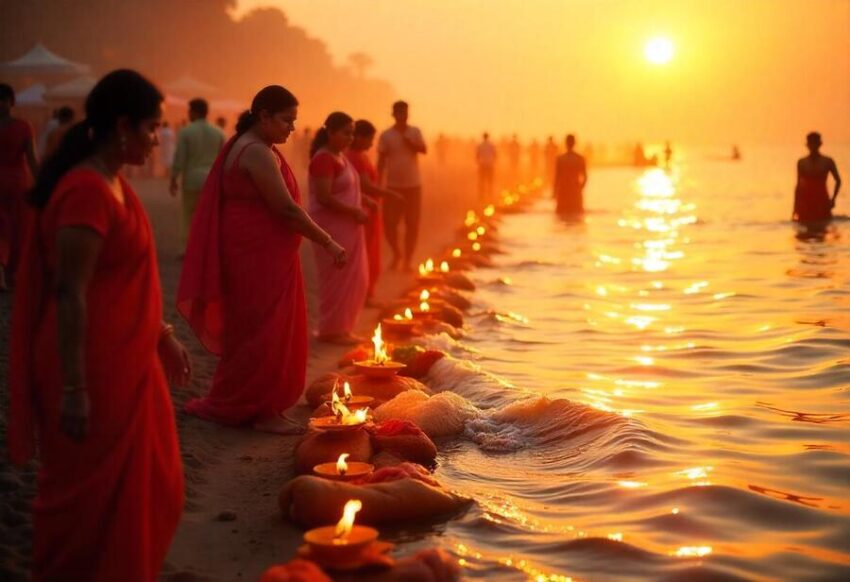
348	398
380	366
342	419
428	272
343	542
400	324
343	470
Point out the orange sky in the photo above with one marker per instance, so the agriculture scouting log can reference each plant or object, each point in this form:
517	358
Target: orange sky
747	71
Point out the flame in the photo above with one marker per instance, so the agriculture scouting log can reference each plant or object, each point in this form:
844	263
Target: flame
429	265
408	314
341	465
347	391
444	267
471	218
456	253
424	307
422	271
346	524
339	409
380	350
480	230
472	235
490	210
476	246
359	416
425	295
397	317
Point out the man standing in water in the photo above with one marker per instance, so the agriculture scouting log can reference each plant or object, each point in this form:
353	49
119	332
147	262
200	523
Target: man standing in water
198	145
570	180
811	197
398	151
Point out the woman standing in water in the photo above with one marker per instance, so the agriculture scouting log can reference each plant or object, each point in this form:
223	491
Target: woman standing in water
88	352
17	167
241	289
811	197
336	204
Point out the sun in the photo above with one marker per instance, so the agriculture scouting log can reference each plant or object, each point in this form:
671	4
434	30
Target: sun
659	50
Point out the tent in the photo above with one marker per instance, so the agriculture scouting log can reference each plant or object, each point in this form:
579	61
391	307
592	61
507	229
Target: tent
39	63
32	96
190	87
75	89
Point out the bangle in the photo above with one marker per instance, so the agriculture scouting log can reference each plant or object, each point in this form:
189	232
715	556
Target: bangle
73	389
166	331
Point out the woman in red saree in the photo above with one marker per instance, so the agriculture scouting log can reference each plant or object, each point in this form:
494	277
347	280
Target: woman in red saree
812	203
17	167
358	155
337	205
241	288
90	353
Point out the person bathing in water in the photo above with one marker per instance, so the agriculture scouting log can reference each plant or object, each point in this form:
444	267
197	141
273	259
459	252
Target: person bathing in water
812	202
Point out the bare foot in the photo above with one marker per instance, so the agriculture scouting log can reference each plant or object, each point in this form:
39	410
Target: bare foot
279	425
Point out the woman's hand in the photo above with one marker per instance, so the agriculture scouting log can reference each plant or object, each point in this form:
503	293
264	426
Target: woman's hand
337	252
75	413
175	360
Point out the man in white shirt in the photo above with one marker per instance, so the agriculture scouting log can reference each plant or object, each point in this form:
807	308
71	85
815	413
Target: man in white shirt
485	155
398	151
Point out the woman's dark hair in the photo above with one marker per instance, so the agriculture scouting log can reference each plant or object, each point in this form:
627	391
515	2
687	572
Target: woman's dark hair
7	93
272	99
335	121
121	93
364	128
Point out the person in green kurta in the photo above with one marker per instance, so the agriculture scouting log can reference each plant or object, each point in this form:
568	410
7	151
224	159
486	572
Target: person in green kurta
198	145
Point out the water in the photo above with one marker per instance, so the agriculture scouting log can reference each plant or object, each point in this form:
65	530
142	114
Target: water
663	387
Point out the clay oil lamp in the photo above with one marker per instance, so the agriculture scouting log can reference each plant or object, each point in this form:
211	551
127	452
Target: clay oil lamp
343	470
348	398
428	274
342	419
380	366
400	325
344	542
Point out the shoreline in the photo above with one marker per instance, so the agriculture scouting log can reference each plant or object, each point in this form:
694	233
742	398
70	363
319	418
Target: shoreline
231	527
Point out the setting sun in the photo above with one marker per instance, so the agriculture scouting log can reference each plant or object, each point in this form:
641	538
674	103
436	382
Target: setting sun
659	50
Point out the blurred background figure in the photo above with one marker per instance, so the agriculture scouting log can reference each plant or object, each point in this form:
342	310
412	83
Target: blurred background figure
399	148
198	145
18	166
221	123
570	180
811	196
533	158
65	118
514	150
485	156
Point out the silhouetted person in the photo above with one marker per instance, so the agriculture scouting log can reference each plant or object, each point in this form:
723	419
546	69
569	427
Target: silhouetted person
736	153
811	197
570	180
65	117
198	145
167	146
221	122
398	150
639	156
550	154
485	156
668	154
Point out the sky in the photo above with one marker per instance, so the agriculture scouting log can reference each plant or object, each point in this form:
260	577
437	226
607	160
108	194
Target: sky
744	71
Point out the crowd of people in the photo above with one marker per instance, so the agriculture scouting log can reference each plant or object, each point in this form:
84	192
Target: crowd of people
92	357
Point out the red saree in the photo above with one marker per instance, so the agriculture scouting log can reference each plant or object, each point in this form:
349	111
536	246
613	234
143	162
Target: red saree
14	181
242	292
374	228
106	508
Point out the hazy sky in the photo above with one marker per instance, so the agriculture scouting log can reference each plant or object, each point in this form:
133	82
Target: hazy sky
744	70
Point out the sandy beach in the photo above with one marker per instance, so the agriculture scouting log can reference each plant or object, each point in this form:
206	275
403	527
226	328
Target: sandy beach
231	527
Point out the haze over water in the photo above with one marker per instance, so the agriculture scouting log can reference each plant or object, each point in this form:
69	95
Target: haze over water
664	385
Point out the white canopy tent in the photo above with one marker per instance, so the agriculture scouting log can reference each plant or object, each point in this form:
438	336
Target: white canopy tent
42	64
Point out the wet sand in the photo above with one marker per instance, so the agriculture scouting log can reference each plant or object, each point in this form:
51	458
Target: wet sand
231	527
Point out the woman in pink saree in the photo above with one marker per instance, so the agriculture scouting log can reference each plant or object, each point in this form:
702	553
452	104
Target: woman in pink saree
336	205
